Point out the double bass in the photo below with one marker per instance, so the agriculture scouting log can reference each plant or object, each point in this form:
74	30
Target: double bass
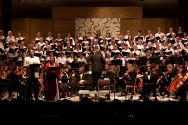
177	82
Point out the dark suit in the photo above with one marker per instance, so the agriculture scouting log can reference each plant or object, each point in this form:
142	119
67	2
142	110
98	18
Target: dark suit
80	76
64	80
149	84
97	63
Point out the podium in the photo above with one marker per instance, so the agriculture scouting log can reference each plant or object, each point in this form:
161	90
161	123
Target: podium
52	72
34	70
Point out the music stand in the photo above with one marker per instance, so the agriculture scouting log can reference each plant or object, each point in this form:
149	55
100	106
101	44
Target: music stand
53	68
34	68
53	71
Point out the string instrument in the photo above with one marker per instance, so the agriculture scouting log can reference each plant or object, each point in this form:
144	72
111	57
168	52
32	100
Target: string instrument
177	82
72	78
5	74
140	84
41	77
19	72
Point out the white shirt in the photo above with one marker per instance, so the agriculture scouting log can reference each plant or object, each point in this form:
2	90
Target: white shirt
10	38
28	60
50	38
62	60
82	60
159	34
70	60
2	46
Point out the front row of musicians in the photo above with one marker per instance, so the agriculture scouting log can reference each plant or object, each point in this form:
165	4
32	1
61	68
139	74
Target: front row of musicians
152	79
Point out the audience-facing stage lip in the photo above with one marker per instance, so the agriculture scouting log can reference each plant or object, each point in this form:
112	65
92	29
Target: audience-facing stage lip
91	96
86	110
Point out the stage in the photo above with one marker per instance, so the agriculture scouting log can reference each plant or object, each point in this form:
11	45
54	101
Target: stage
113	96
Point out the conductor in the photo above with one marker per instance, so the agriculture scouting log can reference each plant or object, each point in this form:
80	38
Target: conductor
32	63
97	63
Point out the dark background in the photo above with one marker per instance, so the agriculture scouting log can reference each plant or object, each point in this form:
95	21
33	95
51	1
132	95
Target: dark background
42	8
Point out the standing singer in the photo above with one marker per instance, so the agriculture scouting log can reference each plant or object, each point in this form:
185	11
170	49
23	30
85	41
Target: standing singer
51	85
32	63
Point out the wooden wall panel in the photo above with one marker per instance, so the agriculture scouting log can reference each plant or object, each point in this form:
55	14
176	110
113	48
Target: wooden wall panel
145	24
22	26
64	26
42	25
153	23
97	12
130	24
29	27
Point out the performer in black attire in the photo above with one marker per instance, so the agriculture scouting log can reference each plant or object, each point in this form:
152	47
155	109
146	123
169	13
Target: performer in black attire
182	91
97	63
150	79
32	82
168	77
129	77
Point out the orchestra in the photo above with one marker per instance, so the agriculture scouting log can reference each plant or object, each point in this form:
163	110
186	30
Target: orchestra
155	62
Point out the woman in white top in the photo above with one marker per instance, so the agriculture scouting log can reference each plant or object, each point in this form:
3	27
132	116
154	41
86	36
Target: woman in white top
50	37
38	37
10	37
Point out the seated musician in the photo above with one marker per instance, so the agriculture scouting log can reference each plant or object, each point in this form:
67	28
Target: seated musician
51	85
109	73
129	75
168	77
81	75
81	78
5	81
64	77
181	90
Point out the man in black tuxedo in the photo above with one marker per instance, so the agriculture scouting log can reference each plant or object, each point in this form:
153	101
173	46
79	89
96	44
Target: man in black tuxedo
65	80
149	79
32	63
81	79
